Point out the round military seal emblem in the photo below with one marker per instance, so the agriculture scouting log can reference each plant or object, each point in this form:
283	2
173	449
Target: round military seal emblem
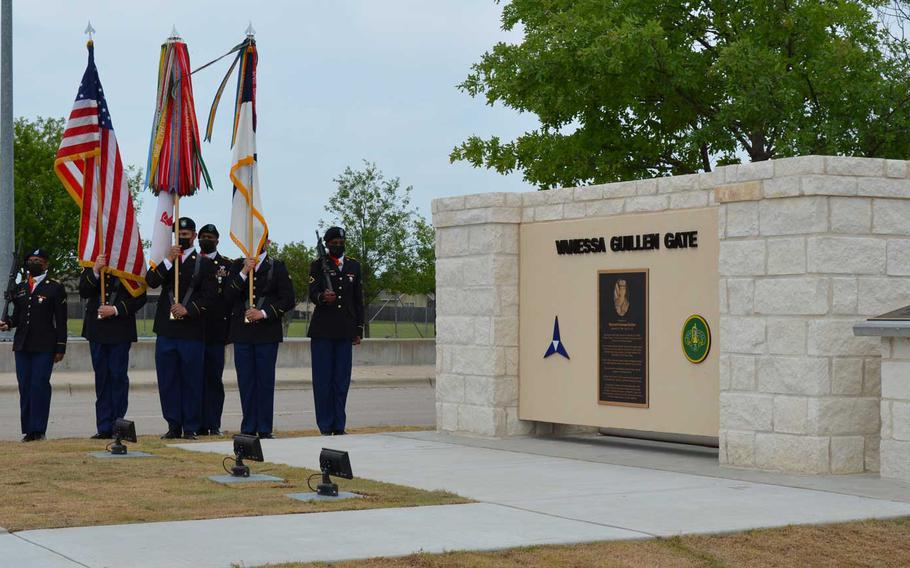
696	339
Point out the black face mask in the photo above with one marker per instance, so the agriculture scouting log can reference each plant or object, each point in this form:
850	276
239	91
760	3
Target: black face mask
185	244
207	246
336	251
35	268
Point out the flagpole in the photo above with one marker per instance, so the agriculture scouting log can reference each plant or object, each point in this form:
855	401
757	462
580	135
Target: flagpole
253	248
99	229
178	260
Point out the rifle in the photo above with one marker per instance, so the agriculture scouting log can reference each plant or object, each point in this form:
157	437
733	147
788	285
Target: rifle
11	283
324	261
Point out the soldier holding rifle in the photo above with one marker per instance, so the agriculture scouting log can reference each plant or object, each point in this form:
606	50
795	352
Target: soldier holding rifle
337	291
39	317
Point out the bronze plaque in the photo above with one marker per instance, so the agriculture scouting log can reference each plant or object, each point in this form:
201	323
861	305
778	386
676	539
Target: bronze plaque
623	338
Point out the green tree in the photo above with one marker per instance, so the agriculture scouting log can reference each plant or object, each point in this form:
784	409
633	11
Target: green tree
382	229
628	89
297	256
46	215
418	274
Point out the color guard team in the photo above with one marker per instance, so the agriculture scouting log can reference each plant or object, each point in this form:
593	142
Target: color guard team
193	328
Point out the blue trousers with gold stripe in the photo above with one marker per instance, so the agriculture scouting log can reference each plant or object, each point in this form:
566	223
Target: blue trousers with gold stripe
179	365
332	359
33	373
255	364
112	384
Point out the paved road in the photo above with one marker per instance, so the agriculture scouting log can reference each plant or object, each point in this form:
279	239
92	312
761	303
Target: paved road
73	415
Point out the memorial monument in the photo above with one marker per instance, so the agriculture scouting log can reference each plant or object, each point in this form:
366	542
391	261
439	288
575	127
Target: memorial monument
717	306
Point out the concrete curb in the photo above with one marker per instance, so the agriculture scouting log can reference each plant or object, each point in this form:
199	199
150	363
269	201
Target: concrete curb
302	384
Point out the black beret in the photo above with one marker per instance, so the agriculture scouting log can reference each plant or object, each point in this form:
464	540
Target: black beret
185	223
210	229
39	252
334	233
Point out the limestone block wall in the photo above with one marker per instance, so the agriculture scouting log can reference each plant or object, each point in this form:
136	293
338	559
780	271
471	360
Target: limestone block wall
895	448
808	247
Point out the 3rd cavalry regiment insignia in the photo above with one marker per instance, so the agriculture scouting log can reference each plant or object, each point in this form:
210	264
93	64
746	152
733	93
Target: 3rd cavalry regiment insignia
696	339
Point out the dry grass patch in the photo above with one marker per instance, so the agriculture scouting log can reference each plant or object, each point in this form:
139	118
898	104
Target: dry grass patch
879	544
55	483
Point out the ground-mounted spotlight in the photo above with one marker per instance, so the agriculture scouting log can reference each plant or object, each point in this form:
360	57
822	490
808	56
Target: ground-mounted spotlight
333	463
245	448
124	430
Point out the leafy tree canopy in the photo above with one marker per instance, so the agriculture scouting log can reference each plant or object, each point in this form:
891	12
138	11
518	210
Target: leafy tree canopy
297	256
394	245
628	89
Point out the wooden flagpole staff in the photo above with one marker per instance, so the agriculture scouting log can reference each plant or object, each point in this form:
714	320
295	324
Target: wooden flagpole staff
99	204
252	246
179	259
101	247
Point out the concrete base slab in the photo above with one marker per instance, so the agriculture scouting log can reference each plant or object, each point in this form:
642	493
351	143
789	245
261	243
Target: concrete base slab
652	501
108	455
230	479
18	552
316	497
325	537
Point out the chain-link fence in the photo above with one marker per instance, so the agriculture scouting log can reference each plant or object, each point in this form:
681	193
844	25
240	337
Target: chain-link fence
388	318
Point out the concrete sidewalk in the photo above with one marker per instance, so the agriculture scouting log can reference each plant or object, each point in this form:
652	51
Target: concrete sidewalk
367	376
530	493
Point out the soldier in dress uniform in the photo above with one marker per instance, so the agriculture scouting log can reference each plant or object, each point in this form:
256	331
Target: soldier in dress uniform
39	316
180	327
336	327
216	334
256	332
110	329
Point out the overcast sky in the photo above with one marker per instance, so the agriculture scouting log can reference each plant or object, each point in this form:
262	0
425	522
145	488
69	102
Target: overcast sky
338	81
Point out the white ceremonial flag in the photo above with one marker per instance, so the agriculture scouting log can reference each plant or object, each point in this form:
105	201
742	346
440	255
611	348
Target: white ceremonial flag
248	226
163	232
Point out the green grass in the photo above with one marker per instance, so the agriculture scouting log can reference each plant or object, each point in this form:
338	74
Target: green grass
54	484
378	329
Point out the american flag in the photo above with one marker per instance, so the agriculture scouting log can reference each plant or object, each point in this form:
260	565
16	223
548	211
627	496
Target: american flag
88	163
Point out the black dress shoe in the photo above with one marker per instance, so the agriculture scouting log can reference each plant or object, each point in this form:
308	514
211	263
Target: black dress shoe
189	435
102	436
203	432
28	437
339	433
171	435
266	435
36	436
325	433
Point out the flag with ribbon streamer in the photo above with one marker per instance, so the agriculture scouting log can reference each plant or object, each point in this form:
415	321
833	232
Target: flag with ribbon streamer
248	225
175	167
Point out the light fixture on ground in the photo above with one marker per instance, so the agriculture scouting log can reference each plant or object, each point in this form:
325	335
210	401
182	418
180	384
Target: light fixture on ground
245	447
332	463
124	430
